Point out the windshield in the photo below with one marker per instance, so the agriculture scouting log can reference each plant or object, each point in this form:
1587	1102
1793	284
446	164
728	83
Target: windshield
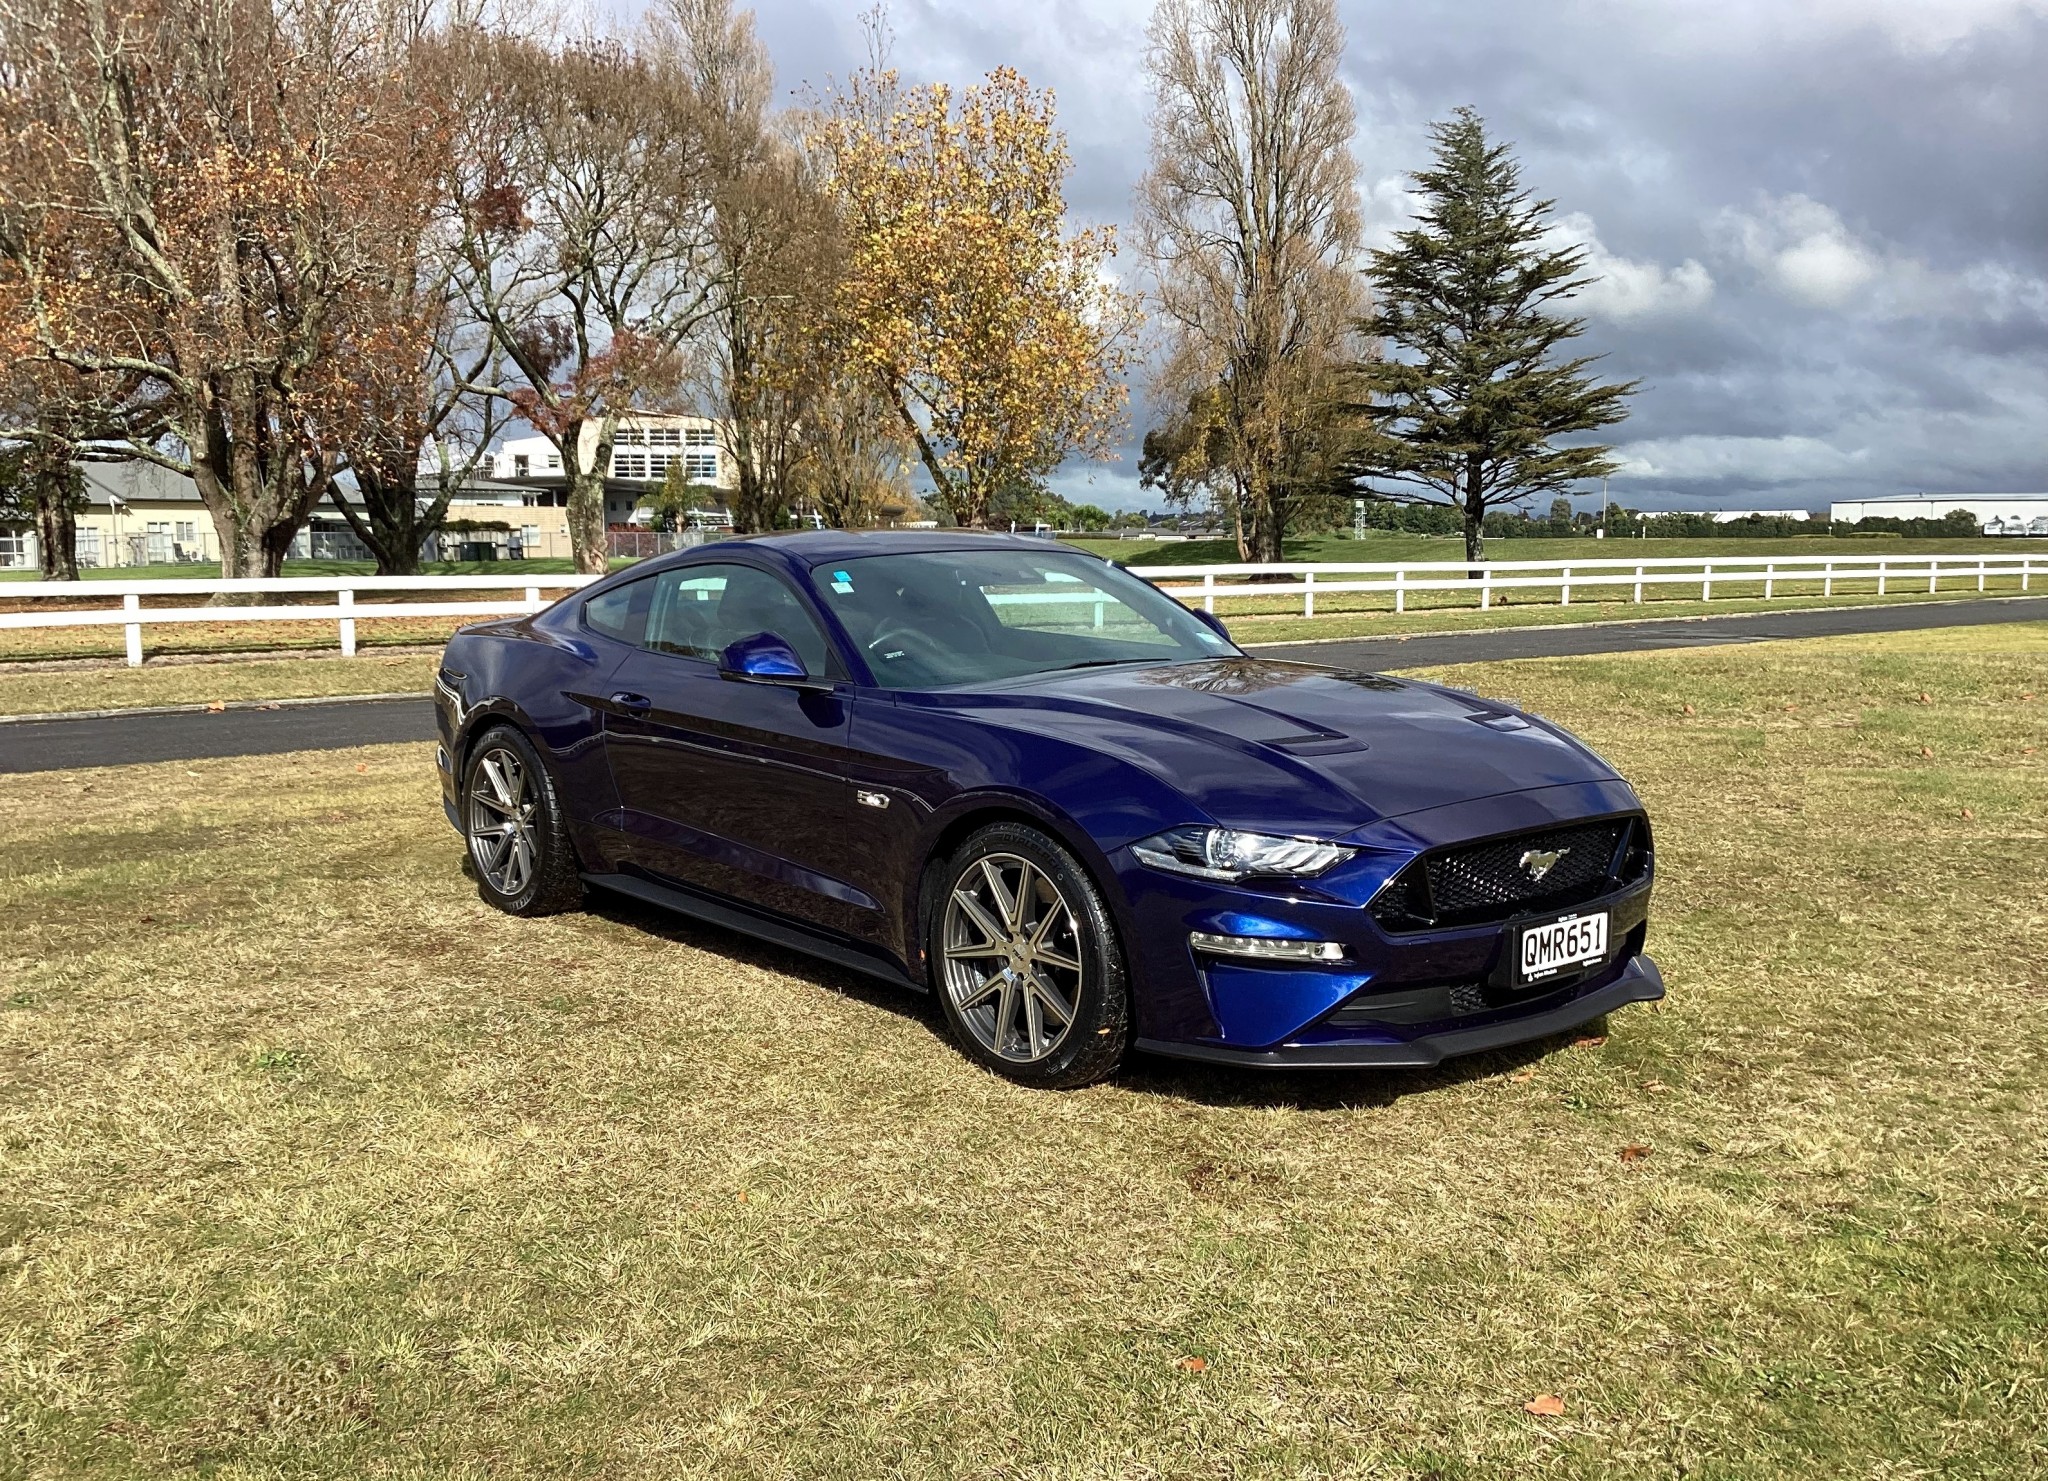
943	618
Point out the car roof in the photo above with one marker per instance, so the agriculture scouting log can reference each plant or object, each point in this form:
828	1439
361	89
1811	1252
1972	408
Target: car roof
817	547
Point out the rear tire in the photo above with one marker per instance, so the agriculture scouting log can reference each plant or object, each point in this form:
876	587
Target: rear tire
519	849
1024	959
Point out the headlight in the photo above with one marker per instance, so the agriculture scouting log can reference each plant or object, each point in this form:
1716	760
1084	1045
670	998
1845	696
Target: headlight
1225	853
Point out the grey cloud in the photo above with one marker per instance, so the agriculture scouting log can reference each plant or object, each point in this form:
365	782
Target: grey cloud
1825	226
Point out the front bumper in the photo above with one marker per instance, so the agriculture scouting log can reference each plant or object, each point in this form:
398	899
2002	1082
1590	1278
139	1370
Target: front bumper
1639	981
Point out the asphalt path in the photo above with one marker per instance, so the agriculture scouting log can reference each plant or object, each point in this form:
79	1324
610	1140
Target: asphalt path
132	740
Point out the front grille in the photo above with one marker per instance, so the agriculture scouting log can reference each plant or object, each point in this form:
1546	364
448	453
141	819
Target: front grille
1472	884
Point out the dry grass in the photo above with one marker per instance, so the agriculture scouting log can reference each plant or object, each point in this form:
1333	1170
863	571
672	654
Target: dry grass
54	690
312	1166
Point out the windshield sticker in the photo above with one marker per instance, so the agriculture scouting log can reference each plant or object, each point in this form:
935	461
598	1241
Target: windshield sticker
841	582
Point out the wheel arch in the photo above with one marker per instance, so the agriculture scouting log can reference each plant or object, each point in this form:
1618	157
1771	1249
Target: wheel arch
969	815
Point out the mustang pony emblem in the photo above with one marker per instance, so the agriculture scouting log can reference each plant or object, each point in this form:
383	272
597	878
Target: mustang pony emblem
1540	862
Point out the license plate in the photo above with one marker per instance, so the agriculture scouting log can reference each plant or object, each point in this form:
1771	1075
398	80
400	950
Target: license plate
1551	947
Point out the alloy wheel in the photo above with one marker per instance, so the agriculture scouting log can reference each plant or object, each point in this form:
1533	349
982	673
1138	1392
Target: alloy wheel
1012	957
502	804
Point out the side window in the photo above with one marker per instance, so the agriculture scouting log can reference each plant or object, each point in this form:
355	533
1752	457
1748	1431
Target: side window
698	611
621	612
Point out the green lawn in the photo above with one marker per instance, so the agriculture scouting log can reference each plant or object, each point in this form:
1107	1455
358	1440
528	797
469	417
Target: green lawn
34	690
1386	546
205	571
312	1166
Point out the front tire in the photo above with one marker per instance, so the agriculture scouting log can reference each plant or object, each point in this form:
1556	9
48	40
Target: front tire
1025	961
519	848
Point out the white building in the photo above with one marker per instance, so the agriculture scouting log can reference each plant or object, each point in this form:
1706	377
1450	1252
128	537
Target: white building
1730	516
642	450
2003	508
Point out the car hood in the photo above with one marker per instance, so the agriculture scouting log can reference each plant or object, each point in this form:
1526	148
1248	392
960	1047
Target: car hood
1265	743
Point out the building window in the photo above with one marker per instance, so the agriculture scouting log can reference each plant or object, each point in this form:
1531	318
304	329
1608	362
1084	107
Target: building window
554	462
703	437
700	467
88	546
628	437
665	437
629	465
519	465
188	533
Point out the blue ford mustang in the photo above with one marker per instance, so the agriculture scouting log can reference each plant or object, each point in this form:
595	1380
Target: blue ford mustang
1028	782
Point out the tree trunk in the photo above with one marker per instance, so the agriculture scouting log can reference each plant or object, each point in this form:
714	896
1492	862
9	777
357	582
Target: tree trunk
1475	519
56	530
589	544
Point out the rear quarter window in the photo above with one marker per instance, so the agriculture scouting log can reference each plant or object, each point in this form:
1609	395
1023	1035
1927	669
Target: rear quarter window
621	612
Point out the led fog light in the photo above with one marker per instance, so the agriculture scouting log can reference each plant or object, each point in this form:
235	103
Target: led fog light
1267	948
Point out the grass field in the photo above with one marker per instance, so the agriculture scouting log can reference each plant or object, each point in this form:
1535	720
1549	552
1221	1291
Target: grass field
26	690
1391	546
205	571
312	1166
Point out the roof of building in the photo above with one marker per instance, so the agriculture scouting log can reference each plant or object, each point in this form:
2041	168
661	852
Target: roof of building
1943	498
133	481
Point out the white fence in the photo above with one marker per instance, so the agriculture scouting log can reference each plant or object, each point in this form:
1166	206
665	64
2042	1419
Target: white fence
1891	573
344	610
1818	575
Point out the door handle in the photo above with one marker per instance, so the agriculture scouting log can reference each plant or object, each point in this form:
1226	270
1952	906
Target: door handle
633	704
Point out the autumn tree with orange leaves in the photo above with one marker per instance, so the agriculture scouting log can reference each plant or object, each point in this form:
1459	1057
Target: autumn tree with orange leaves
222	176
992	331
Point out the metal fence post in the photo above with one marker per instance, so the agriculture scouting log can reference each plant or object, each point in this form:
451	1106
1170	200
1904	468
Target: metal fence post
133	631
1308	594
346	600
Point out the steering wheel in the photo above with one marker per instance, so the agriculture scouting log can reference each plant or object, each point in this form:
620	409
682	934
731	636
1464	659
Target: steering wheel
907	642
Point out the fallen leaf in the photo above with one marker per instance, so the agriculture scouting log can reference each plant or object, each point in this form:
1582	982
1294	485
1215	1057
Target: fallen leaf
1968	816
1688	709
1655	1085
1193	1365
215	707
1589	1041
1634	1152
1927	750
2026	694
2028	750
1790	708
743	1195
1926	698
1550	1406
1523	1077
362	766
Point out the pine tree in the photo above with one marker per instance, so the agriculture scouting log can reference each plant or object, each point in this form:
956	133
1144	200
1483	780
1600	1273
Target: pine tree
1465	404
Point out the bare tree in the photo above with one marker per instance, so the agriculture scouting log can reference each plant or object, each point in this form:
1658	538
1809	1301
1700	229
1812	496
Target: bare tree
1249	217
769	279
237	166
583	234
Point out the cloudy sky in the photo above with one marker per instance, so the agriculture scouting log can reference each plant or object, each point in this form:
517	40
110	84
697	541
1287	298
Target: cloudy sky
1822	225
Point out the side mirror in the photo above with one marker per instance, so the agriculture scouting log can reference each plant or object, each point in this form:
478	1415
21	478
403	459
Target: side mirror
763	658
1212	620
